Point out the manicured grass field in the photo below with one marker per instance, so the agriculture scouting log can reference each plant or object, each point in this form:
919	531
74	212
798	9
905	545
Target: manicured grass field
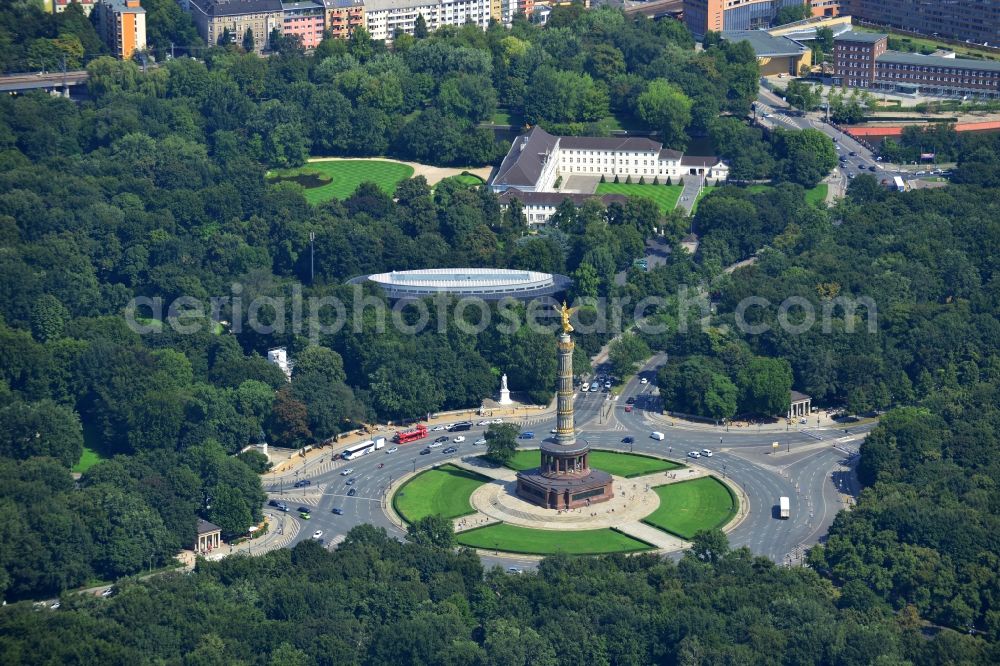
344	176
690	506
88	459
817	195
618	464
664	196
467	179
442	491
514	539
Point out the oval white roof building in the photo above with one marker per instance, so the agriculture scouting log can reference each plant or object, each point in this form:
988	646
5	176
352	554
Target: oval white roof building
485	283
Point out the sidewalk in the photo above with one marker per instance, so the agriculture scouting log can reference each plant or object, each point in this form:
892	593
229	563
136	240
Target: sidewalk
821	419
281	531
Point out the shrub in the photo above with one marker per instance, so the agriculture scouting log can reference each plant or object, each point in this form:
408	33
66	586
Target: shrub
656	180
668	181
642	180
616	178
603	179
628	179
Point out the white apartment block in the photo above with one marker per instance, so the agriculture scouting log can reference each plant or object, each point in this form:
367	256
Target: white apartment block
384	17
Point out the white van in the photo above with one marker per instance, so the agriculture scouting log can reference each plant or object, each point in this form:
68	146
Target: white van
585	387
659	436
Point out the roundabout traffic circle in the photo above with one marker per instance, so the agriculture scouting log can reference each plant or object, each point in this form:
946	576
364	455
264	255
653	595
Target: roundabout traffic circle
480	499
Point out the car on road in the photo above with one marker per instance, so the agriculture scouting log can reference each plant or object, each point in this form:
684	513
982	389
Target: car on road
303	483
628	440
347	472
337	511
441	440
439	428
513	570
305	515
318	534
526	435
392	450
282	507
459	439
352	492
628	409
497	421
480	441
483	423
273	503
630	401
852	154
707	453
352	481
55	606
425	451
644	380
450	449
110	592
871	168
694	454
436	444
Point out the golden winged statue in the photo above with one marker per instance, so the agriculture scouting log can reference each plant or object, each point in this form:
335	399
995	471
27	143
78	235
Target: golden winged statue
566	312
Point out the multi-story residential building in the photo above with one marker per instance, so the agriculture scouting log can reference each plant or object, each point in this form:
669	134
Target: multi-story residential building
342	16
385	17
537	159
854	56
59	6
122	26
862	60
701	16
305	19
509	8
825	7
212	17
974	20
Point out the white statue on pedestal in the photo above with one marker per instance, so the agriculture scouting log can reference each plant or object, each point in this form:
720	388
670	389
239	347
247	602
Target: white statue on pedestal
505	392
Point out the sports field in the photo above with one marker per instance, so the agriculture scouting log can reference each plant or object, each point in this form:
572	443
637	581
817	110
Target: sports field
339	178
664	196
617	464
690	506
514	539
442	491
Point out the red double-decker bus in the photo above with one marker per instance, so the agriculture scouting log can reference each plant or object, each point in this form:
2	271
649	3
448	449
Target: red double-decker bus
411	435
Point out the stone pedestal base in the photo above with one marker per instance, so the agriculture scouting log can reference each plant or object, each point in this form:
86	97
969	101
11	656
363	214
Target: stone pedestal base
565	491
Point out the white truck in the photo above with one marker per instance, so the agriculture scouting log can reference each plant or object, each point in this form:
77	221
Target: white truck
784	508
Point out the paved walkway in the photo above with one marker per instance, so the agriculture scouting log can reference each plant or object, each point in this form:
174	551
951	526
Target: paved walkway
282	529
433	174
477	465
662	540
692	186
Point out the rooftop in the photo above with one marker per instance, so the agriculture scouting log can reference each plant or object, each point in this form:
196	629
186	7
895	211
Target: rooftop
765	44
798	397
556	198
608	143
464	278
524	161
858	36
205	527
236	7
938	61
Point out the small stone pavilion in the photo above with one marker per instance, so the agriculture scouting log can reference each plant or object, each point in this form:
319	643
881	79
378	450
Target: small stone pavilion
800	405
209	537
564	480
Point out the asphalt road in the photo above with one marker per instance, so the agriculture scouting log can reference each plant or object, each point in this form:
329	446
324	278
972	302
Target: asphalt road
807	468
773	112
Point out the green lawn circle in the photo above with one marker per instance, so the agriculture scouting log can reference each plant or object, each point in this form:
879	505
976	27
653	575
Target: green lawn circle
690	506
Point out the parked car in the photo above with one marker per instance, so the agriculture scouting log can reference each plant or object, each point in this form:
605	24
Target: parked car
347	472
110	592
513	570
337	511
352	492
644	380
352	481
